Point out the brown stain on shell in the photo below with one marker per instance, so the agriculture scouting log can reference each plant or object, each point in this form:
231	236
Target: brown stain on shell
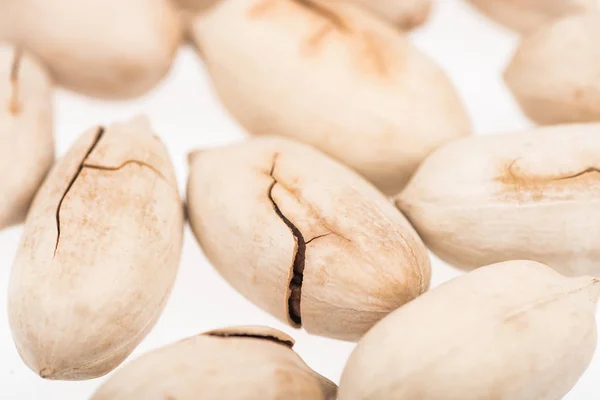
368	47
525	186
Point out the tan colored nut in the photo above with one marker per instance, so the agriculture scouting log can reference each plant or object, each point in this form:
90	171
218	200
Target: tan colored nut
510	331
26	140
105	48
304	237
239	363
525	16
333	76
529	195
99	254
554	73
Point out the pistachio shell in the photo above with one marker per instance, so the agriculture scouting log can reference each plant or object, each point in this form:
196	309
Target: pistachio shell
554	73
99	254
510	331
227	365
333	76
26	140
304	237
528	195
105	48
527	15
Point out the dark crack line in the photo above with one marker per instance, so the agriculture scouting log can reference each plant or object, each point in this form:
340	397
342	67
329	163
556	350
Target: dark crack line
14	105
325	13
295	285
320	236
136	162
274	339
586	171
72	182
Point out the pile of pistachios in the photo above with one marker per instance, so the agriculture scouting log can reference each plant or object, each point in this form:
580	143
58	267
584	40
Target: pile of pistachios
361	159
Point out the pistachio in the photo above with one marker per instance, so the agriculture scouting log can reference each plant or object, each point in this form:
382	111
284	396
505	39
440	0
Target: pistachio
525	16
333	76
303	237
528	195
249	363
105	48
26	140
99	254
554	73
510	331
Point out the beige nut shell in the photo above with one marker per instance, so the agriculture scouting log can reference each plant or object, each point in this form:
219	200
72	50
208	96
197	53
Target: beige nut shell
107	48
528	195
26	139
265	207
554	73
333	76
511	331
224	364
99	254
525	16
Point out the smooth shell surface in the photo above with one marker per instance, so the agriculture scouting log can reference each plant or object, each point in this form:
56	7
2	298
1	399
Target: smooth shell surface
555	73
105	48
510	331
26	140
303	237
527	15
333	76
527	195
226	365
99	254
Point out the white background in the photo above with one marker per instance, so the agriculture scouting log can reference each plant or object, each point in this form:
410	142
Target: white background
186	114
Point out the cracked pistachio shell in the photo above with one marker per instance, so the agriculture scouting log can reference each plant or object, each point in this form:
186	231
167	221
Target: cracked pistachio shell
99	254
525	16
104	48
528	195
333	76
238	363
554	73
26	140
303	237
510	331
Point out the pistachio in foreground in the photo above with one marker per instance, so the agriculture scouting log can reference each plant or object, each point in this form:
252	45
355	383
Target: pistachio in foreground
26	139
238	363
304	237
99	254
106	48
554	72
510	331
334	76
525	16
526	195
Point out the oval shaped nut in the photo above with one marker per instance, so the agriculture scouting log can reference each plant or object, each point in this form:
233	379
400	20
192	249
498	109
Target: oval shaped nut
333	76
406	14
113	49
525	16
529	195
26	139
510	331
238	363
303	237
554	73
99	254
